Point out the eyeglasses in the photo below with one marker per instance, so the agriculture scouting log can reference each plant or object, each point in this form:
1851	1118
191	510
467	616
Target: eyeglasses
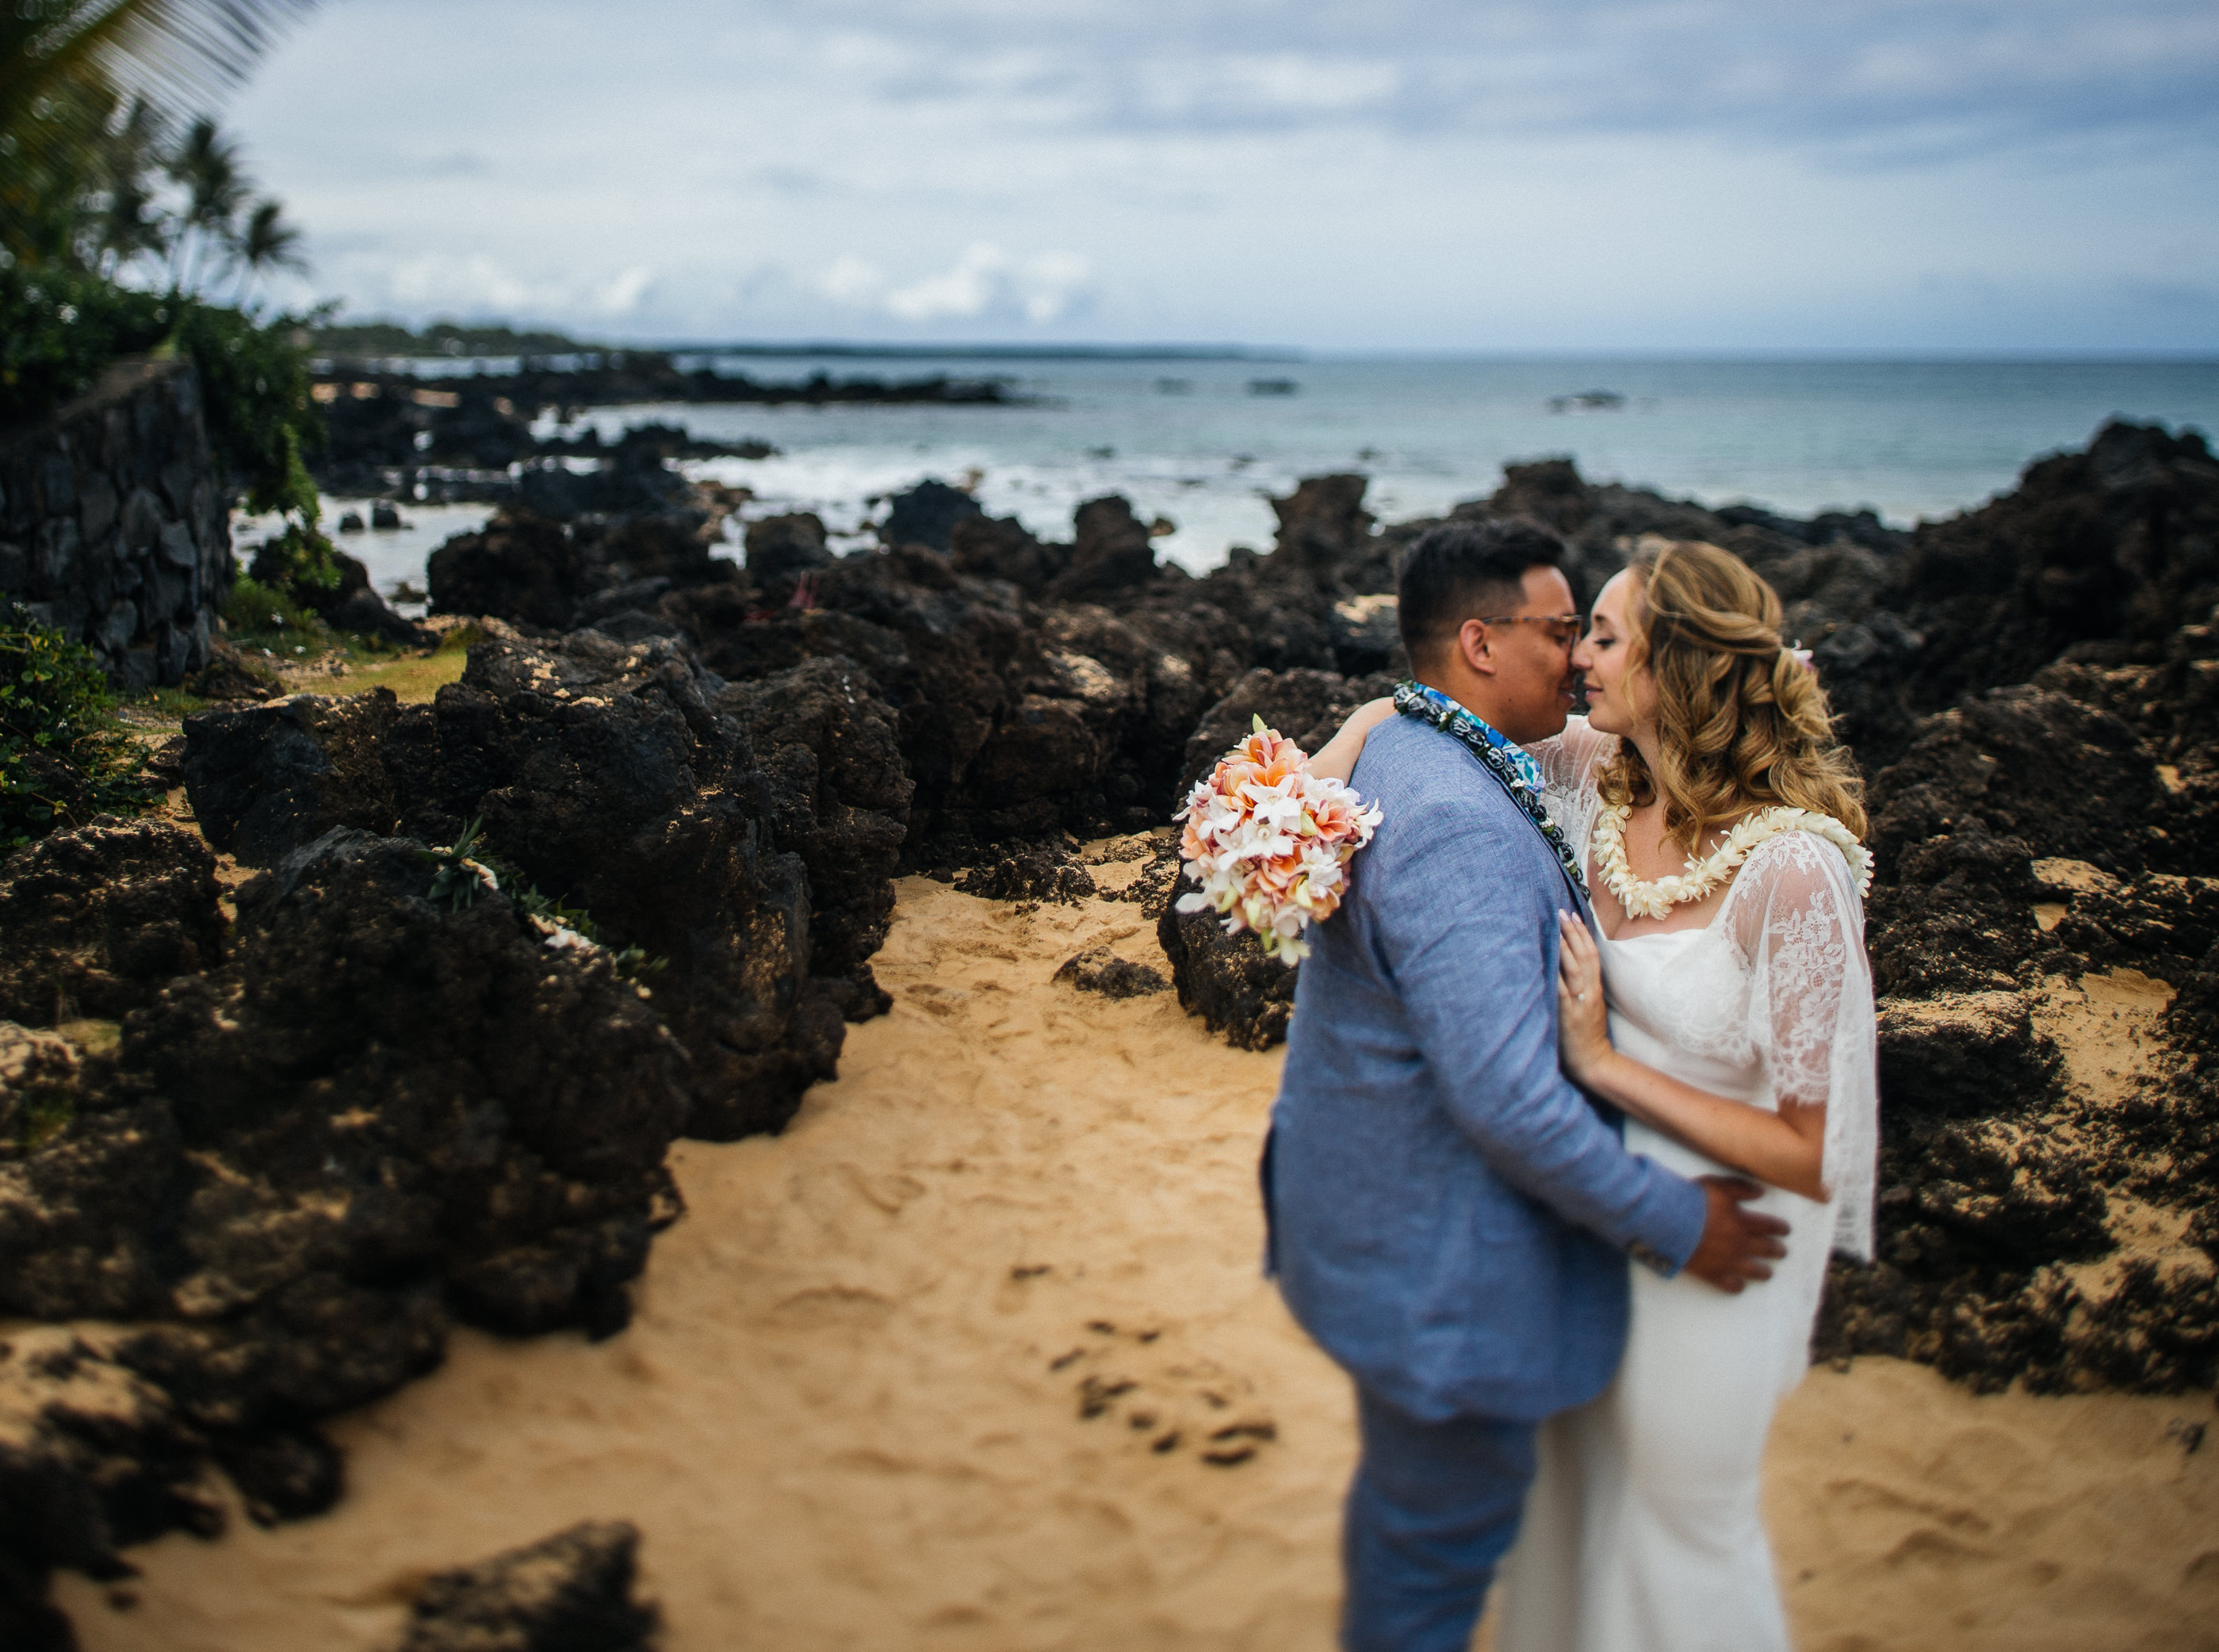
1566	627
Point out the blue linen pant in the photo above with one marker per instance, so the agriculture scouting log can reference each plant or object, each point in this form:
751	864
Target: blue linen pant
1433	1508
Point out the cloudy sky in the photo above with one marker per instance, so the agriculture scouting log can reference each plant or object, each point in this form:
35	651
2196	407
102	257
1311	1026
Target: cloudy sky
1431	175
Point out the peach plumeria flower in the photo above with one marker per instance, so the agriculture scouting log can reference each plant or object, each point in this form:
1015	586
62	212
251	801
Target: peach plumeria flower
1270	842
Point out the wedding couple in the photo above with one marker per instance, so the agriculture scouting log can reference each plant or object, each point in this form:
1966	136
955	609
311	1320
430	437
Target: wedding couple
1538	1239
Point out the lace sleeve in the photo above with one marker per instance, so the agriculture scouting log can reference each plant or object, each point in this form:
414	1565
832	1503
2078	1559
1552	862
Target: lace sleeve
1568	762
1798	919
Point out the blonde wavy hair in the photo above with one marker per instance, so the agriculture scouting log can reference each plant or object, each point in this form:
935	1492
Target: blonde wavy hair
1742	723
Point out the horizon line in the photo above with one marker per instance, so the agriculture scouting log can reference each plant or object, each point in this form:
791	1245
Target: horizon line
1007	349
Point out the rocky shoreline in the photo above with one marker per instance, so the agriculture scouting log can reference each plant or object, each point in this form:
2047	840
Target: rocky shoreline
254	1164
390	433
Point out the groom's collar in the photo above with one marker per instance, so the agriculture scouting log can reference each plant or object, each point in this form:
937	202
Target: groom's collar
1528	770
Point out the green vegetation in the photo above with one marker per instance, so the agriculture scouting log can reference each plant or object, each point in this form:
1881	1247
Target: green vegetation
254	613
299	562
129	224
373	339
414	679
60	329
42	1113
260	618
461	870
170	702
91	176
63	758
255	388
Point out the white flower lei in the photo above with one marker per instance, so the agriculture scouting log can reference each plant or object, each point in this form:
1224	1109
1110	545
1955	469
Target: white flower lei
1648	900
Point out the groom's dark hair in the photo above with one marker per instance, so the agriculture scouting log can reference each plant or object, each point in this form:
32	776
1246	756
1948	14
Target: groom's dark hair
1467	570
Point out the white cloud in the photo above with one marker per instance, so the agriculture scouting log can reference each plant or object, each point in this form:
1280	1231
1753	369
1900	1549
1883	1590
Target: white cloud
622	295
472	282
1053	285
984	283
852	281
479	285
964	291
1425	174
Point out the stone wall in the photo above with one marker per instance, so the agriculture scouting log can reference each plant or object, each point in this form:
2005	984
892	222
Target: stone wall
114	525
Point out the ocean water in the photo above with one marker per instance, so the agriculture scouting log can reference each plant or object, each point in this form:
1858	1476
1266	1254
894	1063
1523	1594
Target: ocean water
1203	443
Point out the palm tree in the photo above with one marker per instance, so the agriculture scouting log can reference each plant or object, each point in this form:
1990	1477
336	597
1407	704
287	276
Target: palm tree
266	242
206	166
130	222
66	65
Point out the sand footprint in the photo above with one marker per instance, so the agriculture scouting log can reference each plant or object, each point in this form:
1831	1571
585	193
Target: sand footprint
1169	1398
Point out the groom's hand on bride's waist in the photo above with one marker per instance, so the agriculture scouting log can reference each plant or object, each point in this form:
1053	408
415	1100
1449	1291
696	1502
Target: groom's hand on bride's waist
1738	1244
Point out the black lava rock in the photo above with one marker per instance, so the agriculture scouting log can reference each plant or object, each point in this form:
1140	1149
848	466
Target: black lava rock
569	1592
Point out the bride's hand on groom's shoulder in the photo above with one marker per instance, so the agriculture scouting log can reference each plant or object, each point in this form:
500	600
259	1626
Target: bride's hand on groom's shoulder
1582	1023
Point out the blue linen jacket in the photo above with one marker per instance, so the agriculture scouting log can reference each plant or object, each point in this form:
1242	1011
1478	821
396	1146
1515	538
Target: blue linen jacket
1450	1216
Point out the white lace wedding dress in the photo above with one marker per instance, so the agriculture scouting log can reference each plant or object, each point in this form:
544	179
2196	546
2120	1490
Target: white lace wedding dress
1642	1532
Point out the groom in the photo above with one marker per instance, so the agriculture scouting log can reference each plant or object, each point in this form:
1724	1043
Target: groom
1451	1218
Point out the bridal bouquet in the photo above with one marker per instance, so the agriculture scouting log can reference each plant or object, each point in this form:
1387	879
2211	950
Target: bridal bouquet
1270	842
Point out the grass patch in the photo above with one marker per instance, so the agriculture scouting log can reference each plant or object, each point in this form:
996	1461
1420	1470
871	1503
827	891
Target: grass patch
42	1114
258	616
93	1037
170	701
418	677
413	680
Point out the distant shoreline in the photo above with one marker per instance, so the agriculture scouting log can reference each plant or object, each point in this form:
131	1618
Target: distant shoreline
444	340
1005	352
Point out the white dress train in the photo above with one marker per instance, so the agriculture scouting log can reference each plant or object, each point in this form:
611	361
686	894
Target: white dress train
1642	1532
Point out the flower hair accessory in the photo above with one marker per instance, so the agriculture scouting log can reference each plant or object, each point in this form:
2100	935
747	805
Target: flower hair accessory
1270	841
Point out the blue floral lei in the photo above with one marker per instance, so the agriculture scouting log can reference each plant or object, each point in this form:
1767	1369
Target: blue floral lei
1510	764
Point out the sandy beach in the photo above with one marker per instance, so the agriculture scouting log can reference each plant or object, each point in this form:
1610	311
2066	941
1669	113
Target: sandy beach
601	666
977	1353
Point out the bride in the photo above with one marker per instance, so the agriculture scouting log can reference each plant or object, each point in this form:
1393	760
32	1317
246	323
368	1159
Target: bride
1718	823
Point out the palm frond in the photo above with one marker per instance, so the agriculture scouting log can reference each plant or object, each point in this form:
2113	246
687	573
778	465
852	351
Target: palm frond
182	55
68	68
269	242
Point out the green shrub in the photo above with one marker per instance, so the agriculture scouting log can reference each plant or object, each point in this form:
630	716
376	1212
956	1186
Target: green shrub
300	560
254	609
63	759
262	420
42	1114
461	870
60	330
